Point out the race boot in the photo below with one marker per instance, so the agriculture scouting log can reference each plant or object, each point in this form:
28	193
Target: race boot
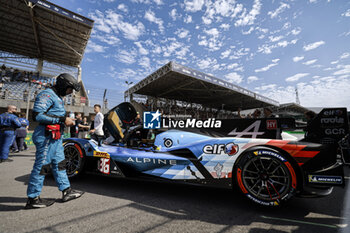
37	202
70	194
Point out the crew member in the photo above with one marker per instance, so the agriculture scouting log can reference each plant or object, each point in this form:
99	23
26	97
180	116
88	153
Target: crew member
8	123
50	113
97	132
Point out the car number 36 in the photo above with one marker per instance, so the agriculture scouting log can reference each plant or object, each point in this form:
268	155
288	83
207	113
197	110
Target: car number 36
103	165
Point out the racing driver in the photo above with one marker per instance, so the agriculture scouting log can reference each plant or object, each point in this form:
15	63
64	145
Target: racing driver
50	113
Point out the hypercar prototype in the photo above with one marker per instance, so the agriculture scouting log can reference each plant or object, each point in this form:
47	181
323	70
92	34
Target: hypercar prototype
267	171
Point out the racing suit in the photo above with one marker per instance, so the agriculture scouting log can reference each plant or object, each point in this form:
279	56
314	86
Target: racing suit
48	110
8	123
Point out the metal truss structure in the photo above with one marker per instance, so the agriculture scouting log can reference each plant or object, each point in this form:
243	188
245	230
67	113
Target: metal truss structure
43	30
177	82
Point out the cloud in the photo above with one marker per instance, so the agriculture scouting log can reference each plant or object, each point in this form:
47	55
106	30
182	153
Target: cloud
279	10
188	19
182	33
174	15
158	2
266	87
213	43
142	50
344	55
108	39
252	79
232	66
313	45
234	78
296	59
276	38
225	26
248	19
123	8
266	68
150	16
113	21
127	57
206	63
346	14
194	5
296	77
310	62
145	63
93	47
225	54
296	31
343	69
267	48
320	92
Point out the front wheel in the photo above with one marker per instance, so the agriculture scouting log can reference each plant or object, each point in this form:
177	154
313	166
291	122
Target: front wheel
266	177
74	159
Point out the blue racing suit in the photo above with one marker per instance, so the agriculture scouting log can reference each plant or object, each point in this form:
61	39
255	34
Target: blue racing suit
48	110
8	123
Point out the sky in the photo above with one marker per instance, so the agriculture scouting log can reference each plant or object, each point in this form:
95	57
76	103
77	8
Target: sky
269	47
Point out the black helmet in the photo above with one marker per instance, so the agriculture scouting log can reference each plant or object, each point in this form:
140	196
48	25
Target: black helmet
64	81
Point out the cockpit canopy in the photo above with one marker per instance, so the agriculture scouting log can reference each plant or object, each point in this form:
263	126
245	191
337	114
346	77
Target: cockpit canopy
119	119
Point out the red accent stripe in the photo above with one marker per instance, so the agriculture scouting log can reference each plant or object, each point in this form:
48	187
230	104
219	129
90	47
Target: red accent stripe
306	154
294	177
80	152
239	179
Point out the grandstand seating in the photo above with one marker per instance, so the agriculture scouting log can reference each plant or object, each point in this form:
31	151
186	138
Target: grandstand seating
15	89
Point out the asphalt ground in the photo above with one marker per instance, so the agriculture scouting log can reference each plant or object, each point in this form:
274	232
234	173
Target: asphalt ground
116	205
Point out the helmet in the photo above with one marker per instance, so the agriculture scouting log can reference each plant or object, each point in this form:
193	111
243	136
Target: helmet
64	81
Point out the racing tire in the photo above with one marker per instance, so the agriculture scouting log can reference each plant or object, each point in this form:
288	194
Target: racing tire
265	176
75	159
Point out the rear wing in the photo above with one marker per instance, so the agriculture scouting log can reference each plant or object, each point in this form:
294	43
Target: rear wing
330	126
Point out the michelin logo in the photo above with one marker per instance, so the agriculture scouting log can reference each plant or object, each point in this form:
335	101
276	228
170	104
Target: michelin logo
151	120
325	179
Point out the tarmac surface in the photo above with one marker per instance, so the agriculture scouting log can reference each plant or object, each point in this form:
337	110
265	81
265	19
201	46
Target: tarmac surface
116	205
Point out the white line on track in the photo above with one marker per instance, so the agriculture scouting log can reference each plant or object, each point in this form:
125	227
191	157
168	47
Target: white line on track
305	222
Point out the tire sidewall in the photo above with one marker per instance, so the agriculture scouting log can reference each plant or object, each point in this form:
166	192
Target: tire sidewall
264	152
79	149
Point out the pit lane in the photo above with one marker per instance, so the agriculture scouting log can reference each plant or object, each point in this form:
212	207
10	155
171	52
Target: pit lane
115	205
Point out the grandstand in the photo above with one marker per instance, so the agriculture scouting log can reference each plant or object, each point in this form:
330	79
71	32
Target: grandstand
178	89
40	40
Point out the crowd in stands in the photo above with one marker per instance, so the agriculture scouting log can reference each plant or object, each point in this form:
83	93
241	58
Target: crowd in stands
197	111
16	85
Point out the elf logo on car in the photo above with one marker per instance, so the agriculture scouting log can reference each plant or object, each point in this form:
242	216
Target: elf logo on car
229	149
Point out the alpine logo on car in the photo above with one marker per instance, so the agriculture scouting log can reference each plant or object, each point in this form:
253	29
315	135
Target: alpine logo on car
153	161
229	149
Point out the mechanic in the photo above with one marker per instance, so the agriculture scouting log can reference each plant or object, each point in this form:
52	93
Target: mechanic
8	123
50	113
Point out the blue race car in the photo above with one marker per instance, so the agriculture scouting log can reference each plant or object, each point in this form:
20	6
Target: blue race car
267	171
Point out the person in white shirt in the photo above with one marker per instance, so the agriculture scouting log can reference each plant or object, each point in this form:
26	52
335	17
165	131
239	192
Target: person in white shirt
97	132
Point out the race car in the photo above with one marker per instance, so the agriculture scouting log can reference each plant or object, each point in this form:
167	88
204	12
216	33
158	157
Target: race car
267	171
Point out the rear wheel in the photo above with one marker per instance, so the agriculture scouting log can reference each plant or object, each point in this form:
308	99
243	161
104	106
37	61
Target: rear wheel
74	159
266	177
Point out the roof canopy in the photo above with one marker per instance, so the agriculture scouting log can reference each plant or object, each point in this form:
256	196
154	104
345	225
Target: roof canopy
177	82
290	109
43	30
